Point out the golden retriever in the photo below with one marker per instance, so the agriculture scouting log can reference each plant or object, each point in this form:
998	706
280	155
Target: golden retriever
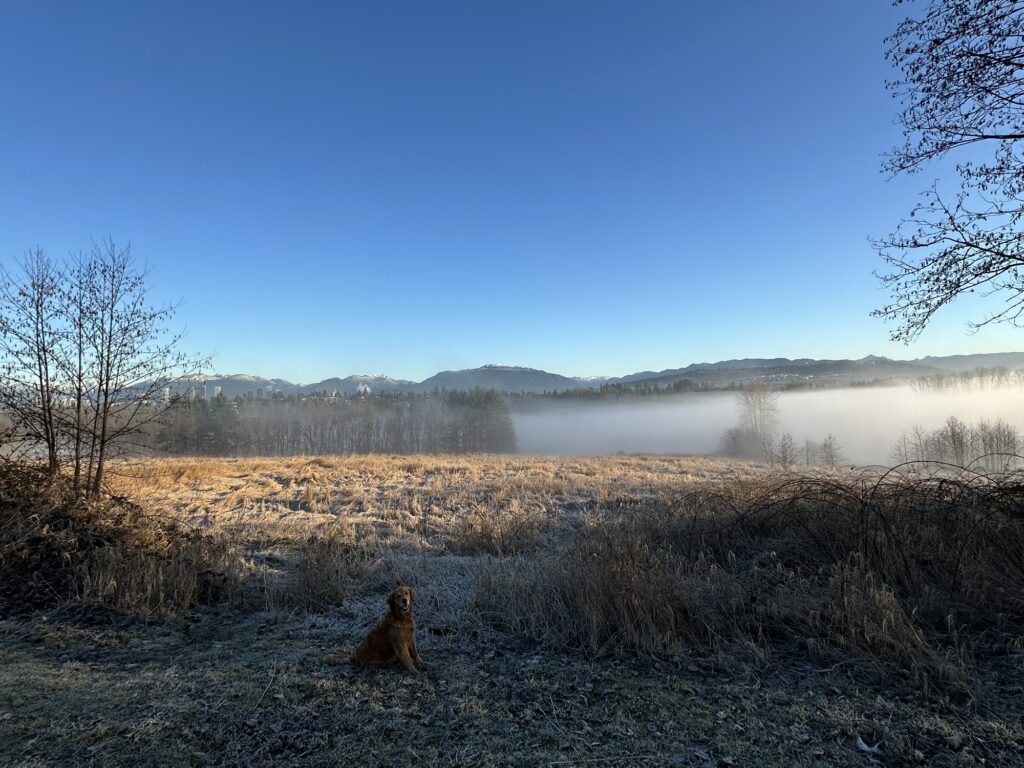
394	637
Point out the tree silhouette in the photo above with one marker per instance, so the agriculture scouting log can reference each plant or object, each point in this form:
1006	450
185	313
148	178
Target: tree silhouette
961	85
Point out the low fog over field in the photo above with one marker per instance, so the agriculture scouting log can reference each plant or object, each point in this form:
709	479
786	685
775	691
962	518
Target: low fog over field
866	421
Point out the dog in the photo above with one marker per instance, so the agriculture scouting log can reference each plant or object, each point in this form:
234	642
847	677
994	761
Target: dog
394	637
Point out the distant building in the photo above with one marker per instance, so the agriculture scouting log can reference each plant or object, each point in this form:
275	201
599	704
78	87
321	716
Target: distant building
216	390
167	394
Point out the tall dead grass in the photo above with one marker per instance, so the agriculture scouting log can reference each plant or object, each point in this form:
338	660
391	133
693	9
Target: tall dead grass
60	551
917	572
501	529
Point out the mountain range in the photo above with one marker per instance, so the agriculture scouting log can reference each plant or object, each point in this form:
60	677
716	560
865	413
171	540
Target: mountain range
507	378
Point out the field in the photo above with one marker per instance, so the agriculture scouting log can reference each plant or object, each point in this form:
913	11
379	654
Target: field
634	610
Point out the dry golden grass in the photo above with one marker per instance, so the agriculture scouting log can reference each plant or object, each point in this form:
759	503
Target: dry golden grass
918	573
301	532
499	504
561	603
648	554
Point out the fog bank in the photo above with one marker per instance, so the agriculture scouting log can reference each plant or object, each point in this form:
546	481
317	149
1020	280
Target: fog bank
867	421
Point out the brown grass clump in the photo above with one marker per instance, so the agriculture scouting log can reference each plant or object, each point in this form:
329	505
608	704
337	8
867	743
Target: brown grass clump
58	550
55	548
325	567
500	529
917	572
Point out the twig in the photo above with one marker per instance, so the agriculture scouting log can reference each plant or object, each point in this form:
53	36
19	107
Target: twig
602	759
270	683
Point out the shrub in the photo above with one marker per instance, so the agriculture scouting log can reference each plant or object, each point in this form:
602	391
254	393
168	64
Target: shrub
503	529
60	550
915	571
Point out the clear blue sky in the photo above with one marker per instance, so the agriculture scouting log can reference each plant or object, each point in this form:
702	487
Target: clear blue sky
586	187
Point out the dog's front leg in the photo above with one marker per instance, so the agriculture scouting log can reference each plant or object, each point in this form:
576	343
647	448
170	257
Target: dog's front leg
402	651
412	650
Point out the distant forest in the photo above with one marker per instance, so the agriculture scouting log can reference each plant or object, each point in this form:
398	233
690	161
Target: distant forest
477	421
975	379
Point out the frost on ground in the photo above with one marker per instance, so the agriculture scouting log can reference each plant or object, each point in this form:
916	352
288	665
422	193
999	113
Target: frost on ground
256	690
249	684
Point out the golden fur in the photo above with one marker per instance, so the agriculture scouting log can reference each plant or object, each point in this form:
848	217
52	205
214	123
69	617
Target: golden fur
394	637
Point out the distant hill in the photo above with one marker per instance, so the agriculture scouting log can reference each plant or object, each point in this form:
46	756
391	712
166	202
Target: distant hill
970	362
350	385
235	385
730	365
781	370
510	378
818	372
506	378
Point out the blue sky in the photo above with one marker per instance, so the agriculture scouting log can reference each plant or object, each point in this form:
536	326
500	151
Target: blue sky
586	187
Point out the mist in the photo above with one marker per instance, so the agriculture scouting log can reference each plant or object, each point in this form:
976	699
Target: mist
867	421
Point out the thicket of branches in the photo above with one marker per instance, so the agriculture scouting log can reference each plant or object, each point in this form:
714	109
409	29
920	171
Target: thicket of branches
477	421
988	445
961	87
977	379
84	357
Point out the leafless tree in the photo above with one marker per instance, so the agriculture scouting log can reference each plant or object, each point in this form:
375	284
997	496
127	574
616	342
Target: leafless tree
810	451
786	454
30	338
135	355
759	411
84	358
831	453
961	85
75	366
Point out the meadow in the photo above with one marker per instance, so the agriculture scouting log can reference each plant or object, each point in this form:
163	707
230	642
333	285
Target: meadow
627	610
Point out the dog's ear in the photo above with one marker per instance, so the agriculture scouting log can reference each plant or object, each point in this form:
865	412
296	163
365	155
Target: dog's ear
412	595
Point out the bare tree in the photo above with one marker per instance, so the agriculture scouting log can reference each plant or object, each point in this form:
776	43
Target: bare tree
135	356
30	338
786	455
962	85
831	453
810	451
958	440
84	359
75	366
759	411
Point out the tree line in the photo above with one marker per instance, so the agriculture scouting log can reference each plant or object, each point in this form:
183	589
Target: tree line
988	445
475	421
976	379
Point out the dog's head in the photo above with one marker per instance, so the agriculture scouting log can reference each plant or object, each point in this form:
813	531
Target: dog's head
400	601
